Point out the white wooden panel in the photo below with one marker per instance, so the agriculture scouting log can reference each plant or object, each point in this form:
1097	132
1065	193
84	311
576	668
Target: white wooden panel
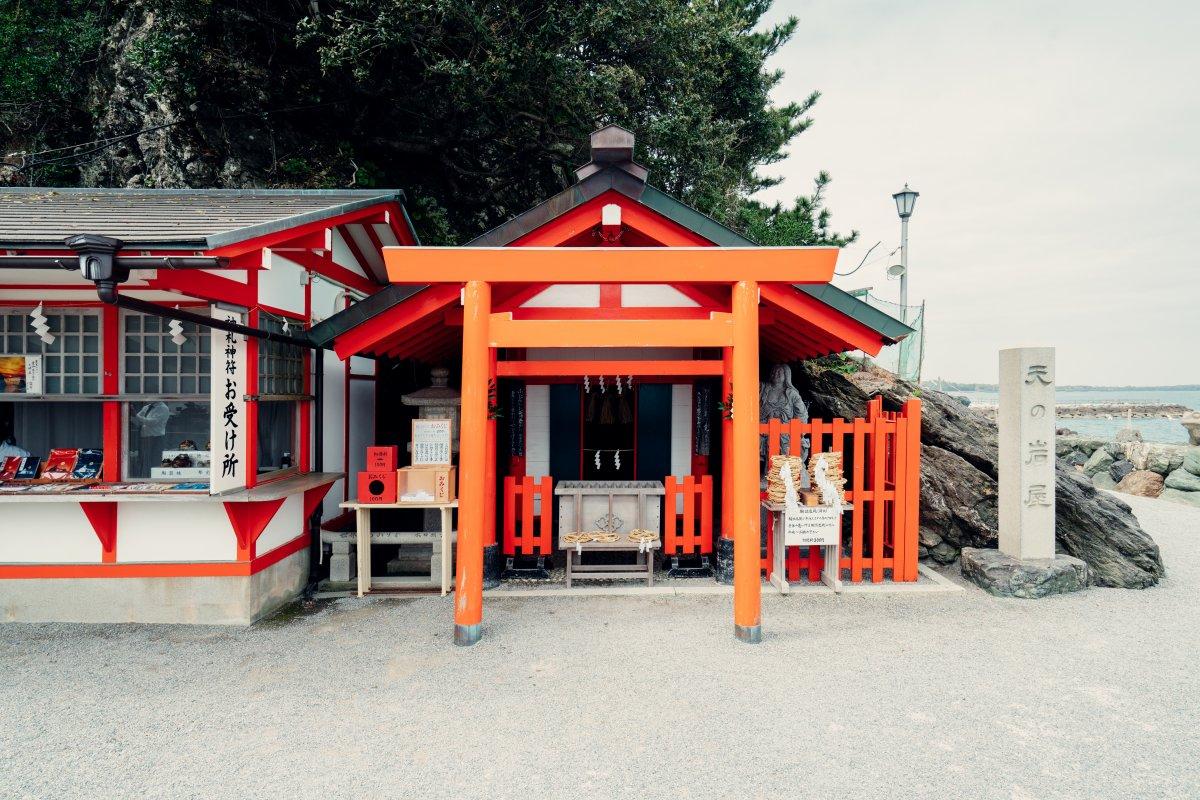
286	525
566	295
171	532
335	434
327	298
239	275
681	429
362	366
387	236
282	285
342	255
537	430
656	295
47	533
367	248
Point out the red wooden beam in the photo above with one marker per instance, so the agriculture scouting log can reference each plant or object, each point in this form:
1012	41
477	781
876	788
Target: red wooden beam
249	520
103	517
328	268
504	331
365	336
358	253
815	313
552	369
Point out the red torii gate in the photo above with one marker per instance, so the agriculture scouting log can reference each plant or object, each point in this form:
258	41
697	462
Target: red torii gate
747	270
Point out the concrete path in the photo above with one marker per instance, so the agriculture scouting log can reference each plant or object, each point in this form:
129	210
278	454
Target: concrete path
942	695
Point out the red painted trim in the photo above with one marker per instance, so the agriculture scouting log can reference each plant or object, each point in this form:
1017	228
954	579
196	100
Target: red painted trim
346	428
218	569
328	268
206	285
249	520
369	334
259	563
812	313
103	517
296	236
647	312
610	295
642	369
634	216
519	296
110	325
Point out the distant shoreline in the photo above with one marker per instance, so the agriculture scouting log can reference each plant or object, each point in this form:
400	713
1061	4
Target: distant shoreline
951	386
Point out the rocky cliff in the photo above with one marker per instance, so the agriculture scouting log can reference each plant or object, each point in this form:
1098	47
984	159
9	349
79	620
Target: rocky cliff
959	499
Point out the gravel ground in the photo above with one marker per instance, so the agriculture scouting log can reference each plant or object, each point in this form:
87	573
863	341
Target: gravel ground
867	696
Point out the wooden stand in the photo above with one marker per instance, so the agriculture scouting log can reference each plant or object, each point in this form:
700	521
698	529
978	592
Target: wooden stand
447	535
831	573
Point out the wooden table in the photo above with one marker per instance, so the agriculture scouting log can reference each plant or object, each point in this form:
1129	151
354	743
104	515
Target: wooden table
363	542
831	573
638	500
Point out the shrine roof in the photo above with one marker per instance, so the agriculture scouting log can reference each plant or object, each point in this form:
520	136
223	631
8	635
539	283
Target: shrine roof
200	219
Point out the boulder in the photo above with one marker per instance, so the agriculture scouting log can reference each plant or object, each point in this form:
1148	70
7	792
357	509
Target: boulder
1120	469
1065	444
1115	449
1191	422
1142	483
1176	496
1159	460
1102	480
1129	435
1183	480
1005	576
1100	461
1074	459
959	457
1177	456
1191	460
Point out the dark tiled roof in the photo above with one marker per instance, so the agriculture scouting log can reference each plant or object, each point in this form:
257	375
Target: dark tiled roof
187	218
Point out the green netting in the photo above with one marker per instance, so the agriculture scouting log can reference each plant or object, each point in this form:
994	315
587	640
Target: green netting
904	358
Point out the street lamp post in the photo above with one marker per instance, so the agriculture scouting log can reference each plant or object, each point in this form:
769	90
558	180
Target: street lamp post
906	200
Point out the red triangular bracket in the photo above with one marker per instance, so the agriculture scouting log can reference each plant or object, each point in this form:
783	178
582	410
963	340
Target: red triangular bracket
249	520
103	517
313	498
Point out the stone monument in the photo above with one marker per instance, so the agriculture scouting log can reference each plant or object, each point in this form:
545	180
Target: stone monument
1026	564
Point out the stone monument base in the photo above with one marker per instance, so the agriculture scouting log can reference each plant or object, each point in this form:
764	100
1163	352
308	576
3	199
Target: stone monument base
724	571
1005	576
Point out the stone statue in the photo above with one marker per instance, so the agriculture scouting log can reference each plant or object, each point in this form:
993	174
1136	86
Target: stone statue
780	400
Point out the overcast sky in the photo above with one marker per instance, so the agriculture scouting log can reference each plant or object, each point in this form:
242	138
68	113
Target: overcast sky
1056	147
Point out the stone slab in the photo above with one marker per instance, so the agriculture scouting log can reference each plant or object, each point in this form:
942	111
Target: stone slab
1005	576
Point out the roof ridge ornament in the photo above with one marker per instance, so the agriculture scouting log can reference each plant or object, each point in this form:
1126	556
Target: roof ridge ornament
612	146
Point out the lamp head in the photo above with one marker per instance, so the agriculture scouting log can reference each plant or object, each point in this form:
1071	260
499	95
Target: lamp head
906	201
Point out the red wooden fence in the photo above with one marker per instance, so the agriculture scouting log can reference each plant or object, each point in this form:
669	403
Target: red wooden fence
882	459
528	534
695	535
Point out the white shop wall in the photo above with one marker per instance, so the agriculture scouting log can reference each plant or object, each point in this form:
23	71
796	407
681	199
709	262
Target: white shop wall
281	285
333	423
537	430
48	533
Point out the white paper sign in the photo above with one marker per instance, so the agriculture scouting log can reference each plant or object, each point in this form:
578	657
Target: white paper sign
430	442
812	525
20	374
227	414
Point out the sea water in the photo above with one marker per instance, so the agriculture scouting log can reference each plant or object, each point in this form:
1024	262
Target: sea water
1152	429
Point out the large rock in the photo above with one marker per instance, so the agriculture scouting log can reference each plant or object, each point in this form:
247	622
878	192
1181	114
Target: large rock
1005	576
1074	459
1100	461
1142	482
1120	469
1176	496
1102	480
1191	461
959	458
1065	444
1183	480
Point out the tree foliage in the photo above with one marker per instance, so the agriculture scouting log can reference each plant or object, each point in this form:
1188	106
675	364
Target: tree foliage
477	109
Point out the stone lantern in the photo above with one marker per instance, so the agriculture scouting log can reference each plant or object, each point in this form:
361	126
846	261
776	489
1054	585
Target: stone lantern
438	401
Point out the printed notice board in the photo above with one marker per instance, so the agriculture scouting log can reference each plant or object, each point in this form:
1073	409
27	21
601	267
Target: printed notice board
812	525
430	442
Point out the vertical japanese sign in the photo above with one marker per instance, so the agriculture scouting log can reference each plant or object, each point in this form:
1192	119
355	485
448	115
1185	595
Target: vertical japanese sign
430	442
1026	422
227	415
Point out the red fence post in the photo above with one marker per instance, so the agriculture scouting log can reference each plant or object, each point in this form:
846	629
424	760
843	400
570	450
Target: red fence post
912	487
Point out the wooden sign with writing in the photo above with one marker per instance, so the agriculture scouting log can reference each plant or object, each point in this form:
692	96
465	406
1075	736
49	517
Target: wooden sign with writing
812	525
430	442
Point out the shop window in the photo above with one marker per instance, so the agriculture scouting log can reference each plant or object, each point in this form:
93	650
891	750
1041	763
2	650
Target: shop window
72	363
167	440
276	435
36	427
152	363
280	366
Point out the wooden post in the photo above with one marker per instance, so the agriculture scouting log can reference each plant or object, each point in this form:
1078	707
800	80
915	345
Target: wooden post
726	446
472	481
489	505
747	584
